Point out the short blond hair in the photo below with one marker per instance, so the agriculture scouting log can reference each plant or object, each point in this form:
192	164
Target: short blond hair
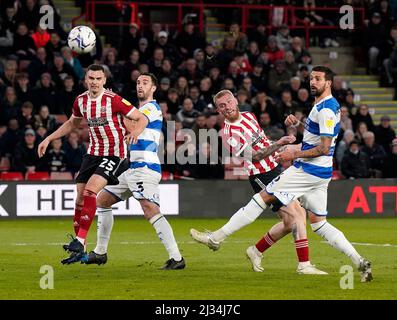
222	93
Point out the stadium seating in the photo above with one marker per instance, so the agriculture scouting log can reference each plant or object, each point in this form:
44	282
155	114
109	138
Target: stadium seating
60	118
37	176
4	164
61	176
11	176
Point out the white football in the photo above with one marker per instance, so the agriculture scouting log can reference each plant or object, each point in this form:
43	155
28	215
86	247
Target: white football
81	39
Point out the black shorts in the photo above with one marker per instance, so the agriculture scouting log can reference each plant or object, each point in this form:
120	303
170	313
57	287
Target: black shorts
259	181
108	167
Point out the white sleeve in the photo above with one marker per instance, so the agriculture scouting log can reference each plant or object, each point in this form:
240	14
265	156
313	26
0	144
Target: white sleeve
327	121
151	112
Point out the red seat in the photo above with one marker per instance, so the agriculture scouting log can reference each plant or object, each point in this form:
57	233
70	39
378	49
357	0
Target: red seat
11	176
34	176
61	176
337	175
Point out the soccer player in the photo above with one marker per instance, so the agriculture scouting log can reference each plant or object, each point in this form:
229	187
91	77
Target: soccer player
104	112
246	139
141	181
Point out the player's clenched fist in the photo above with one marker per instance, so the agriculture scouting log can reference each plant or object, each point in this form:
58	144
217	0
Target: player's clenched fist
291	120
42	147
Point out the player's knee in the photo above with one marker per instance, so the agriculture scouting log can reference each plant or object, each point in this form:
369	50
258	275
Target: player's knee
105	200
149	208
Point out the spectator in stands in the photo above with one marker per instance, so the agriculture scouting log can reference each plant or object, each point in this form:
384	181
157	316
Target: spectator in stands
156	61
212	121
154	33
59	70
38	66
131	64
162	91
257	77
66	96
167	71
206	91
243	98
297	49
273	132
304	75
22	88
114	66
278	78
74	152
359	133
191	72
173	101
24	46
187	115
350	104
10	73
25	118
290	63
234	73
130	41
253	52
182	88
345	121
391	168
273	51
189	40
170	51
29	13
45	93
55	45
338	90
194	95
294	86
144	50
9	21
259	36
384	133
10	106
374	37
263	103
200	124
240	38
41	134
304	101
283	37
11	138
355	163
73	62
363	115
243	64
56	157
199	56
227	53
45	119
343	145
376	154
40	37
26	158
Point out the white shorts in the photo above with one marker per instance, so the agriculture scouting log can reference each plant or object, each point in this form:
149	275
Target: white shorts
296	184
141	183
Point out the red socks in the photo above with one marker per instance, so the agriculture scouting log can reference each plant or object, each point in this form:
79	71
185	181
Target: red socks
302	250
76	219
87	213
265	243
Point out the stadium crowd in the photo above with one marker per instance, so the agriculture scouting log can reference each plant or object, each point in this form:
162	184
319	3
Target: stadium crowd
269	73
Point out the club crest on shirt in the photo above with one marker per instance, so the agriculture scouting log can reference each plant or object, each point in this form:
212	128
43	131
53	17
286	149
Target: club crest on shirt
329	123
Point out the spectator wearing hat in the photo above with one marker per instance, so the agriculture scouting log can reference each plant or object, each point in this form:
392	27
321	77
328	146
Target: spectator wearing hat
25	157
144	50
130	41
374	37
162	92
170	51
284	38
384	133
273	51
391	168
355	163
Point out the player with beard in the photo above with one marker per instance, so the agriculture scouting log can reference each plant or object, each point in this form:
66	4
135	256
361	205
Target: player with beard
141	181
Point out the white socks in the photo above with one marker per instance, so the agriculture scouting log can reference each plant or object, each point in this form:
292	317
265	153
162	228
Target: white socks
336	239
243	217
165	234
105	224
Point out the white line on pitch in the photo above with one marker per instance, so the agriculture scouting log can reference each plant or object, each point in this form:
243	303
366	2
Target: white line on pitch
371	244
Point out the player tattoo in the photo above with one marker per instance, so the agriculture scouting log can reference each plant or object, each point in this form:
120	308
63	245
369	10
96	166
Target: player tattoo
266	152
294	231
315	152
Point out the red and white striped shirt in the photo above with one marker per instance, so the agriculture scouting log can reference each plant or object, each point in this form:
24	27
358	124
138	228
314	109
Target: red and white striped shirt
104	116
246	132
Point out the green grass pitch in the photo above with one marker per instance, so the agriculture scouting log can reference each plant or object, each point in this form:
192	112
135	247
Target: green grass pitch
135	254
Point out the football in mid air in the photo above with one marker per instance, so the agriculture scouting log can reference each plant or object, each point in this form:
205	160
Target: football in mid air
81	39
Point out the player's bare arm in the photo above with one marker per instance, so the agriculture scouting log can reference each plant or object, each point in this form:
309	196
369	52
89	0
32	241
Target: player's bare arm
321	150
135	123
63	130
266	152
